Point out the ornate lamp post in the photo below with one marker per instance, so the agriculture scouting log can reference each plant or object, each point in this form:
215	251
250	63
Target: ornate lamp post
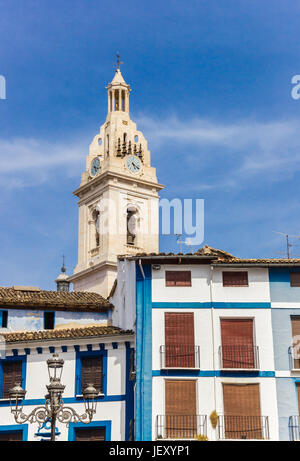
53	409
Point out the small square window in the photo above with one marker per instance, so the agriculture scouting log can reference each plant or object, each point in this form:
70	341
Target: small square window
49	320
178	279
235	279
4	319
295	279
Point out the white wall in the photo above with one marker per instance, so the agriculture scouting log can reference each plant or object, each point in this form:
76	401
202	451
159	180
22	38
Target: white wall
37	379
257	291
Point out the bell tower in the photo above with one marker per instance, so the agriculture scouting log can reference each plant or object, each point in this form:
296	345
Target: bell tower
118	196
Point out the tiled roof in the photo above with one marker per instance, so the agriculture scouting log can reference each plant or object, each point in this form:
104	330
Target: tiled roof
214	256
34	298
64	333
294	261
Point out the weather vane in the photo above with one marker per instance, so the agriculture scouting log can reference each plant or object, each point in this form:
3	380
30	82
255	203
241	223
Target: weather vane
119	63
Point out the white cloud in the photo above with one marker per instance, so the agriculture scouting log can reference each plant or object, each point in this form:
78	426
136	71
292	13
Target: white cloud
243	149
26	162
253	148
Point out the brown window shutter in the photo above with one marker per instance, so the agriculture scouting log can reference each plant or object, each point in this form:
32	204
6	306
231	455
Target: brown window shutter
179	340
242	411
235	279
13	436
85	435
12	374
178	279
298	396
92	372
295	319
295	279
180	407
237	343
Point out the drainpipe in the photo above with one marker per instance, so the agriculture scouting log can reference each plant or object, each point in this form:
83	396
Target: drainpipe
213	331
141	268
142	357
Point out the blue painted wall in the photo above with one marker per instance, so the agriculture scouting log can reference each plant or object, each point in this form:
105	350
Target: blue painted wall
33	320
144	354
287	404
280	289
282	336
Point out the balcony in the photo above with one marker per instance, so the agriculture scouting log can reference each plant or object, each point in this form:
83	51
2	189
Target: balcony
239	358
294	428
184	427
180	356
294	358
243	427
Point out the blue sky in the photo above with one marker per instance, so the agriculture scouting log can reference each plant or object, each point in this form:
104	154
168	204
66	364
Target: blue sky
211	87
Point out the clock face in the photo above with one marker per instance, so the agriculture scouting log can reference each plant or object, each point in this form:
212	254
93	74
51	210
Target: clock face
95	167
133	164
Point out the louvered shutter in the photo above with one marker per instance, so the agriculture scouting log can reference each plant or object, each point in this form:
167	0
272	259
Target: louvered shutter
296	340
179	340
237	343
92	373
13	436
12	374
295	279
235	279
90	435
178	279
242	416
180	418
298	397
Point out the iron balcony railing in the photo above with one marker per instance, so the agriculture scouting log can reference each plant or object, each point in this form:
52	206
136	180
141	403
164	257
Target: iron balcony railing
239	357
294	427
180	426
243	427
294	357
180	356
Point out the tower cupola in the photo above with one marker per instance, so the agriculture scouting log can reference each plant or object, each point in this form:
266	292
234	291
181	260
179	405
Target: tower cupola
62	283
118	93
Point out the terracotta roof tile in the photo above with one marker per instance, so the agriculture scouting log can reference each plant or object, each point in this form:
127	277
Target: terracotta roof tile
42	299
65	333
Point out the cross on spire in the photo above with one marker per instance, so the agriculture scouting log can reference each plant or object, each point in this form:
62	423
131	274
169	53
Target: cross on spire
119	63
63	269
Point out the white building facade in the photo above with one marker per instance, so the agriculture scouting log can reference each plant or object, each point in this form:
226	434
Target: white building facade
204	346
92	350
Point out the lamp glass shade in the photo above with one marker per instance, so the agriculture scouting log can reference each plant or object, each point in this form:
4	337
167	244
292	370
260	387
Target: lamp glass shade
16	397
90	395
55	367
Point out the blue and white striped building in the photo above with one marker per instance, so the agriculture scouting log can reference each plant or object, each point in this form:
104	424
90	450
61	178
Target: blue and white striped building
213	334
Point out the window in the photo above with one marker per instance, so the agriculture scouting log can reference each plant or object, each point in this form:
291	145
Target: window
238	350
180	418
11	436
178	279
242	416
235	279
11	374
132	224
92	373
4	319
49	320
295	320
179	349
295	279
89	435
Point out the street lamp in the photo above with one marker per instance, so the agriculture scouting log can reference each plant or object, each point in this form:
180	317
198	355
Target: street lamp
53	409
